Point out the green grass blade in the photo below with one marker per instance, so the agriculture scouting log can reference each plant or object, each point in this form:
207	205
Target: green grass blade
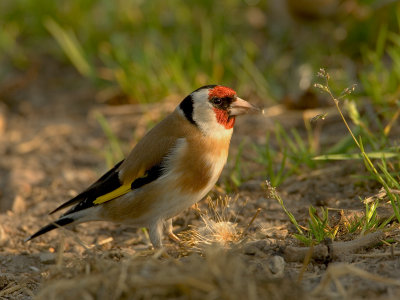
355	156
71	46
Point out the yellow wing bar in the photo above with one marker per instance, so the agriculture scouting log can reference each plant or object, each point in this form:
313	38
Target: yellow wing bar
114	194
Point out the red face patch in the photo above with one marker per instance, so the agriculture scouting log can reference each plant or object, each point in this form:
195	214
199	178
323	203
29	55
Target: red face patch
221	92
223	118
222	115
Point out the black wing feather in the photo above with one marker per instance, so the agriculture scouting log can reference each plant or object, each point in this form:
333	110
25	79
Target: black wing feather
150	175
107	183
51	226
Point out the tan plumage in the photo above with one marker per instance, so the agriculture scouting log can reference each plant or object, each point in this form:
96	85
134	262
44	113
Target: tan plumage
172	167
160	140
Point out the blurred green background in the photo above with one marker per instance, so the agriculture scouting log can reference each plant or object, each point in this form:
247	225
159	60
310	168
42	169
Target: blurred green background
142	51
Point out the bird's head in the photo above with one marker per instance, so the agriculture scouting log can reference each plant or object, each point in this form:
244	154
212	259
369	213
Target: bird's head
213	108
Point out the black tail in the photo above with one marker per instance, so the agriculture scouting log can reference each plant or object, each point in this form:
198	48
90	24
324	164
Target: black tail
51	226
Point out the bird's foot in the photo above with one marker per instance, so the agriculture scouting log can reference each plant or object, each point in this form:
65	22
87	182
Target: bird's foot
173	237
169	231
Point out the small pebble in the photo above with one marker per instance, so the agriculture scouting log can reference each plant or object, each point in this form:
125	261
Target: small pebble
252	248
276	264
47	258
34	269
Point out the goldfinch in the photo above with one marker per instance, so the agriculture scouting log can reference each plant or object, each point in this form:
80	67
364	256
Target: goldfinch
172	167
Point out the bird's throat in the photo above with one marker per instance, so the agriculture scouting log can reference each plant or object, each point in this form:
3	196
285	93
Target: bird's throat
223	118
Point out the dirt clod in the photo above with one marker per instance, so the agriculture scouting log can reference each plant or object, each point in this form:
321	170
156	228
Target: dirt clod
47	258
276	265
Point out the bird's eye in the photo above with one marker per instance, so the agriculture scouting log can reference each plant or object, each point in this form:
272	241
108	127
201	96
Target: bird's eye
217	101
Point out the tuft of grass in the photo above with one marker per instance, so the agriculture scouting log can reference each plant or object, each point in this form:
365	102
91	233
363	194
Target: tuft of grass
222	233
380	172
218	227
319	225
291	155
299	152
383	171
272	193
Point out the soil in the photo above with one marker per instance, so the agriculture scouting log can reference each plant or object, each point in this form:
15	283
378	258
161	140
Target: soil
52	147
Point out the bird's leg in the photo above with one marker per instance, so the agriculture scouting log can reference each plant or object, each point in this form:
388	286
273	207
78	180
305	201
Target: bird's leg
169	230
155	234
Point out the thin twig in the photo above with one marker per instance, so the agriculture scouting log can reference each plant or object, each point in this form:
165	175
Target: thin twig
251	221
306	261
338	270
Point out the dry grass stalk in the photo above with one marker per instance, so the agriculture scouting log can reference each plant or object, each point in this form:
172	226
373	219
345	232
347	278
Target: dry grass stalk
10	290
220	274
252	221
335	271
220	233
216	228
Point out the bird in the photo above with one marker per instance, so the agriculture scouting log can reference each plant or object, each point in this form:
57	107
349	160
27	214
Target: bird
171	168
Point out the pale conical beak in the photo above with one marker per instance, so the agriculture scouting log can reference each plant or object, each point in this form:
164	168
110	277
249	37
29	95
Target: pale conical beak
241	107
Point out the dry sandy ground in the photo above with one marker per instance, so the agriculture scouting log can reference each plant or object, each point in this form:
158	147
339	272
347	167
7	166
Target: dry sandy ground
52	147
